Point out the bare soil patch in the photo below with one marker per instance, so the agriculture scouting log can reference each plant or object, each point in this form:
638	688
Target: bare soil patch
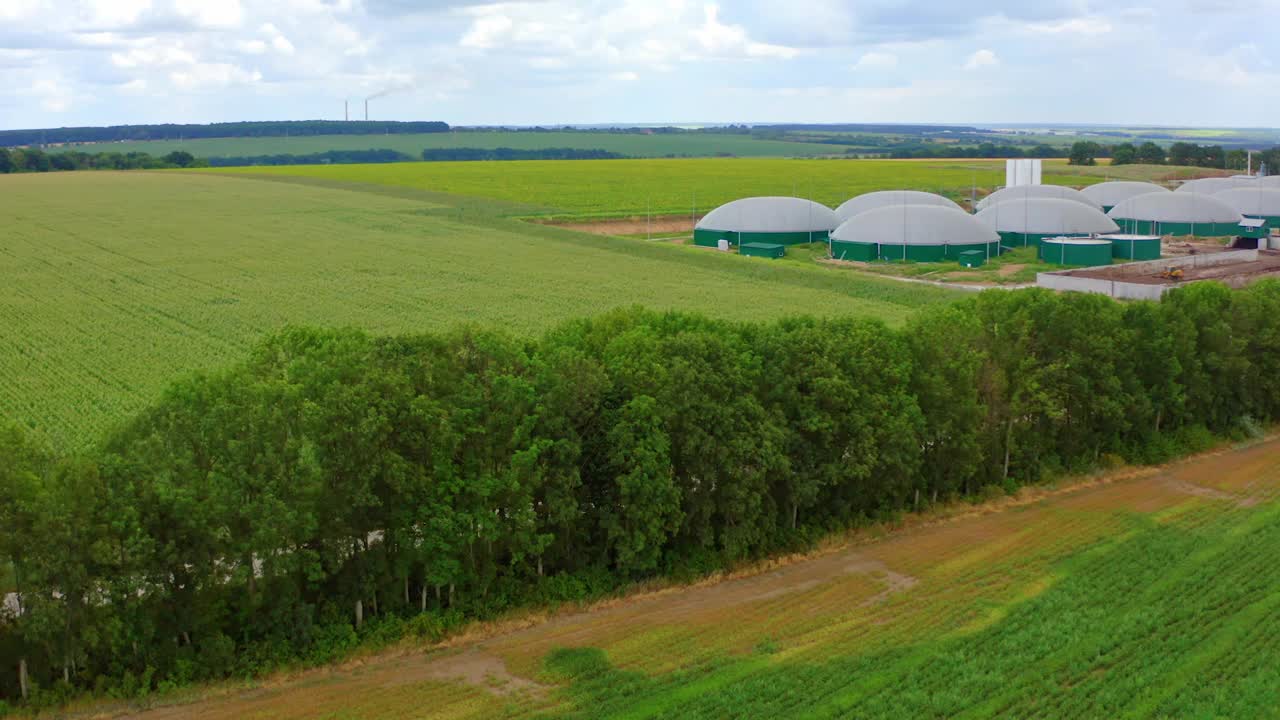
1236	274
474	667
665	224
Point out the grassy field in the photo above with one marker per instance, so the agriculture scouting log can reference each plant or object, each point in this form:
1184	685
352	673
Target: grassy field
1152	595
633	145
612	188
115	283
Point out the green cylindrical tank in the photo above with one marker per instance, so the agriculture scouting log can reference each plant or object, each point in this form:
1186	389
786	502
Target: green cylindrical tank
1017	239
1134	247
1076	251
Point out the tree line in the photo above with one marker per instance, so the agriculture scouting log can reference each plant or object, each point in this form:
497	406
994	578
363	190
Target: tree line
336	157
338	488
506	153
1180	153
20	160
982	150
283	128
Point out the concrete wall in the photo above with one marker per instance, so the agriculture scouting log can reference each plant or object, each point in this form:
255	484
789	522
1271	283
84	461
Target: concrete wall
1115	286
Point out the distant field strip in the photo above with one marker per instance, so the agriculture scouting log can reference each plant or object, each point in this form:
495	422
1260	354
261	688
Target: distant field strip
1153	597
631	144
116	283
607	188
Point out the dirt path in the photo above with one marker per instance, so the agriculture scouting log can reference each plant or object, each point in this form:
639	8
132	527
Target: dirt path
665	224
874	575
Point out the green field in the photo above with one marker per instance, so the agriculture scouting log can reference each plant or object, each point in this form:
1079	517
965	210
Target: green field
613	188
634	145
115	283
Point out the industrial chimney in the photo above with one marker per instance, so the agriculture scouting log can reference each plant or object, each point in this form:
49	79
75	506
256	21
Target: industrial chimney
366	109
346	111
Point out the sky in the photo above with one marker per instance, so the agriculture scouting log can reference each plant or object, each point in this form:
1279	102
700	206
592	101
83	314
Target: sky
1163	62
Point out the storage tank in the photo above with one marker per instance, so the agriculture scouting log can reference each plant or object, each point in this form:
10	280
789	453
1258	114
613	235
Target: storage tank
772	220
1027	222
1177	213
886	198
1088	252
1111	194
1134	247
920	233
1255	202
1036	192
1209	186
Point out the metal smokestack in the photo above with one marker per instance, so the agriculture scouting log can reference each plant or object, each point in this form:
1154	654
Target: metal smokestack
346	111
366	109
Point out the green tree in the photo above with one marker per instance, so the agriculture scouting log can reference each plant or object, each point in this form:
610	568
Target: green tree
1150	153
1083	152
1124	154
643	510
179	158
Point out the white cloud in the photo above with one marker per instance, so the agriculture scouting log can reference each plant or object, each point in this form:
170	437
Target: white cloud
53	93
1243	67
146	57
655	33
625	76
212	76
112	13
876	60
981	59
210	13
1074	26
487	32
17	10
282	45
716	38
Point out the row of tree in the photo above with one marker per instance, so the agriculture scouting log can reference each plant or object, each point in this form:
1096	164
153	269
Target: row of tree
283	128
983	150
20	160
336	157
506	153
336	485
1179	153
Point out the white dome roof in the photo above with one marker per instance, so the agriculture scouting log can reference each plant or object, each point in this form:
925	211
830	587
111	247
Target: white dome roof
882	198
1046	216
1176	207
1026	192
1209	186
1252	200
915	225
1108	194
770	215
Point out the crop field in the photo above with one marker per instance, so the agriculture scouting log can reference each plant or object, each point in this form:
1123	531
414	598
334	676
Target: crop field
612	188
1149	594
116	283
634	145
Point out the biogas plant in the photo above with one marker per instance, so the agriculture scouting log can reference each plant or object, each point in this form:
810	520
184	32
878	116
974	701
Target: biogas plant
1151	231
